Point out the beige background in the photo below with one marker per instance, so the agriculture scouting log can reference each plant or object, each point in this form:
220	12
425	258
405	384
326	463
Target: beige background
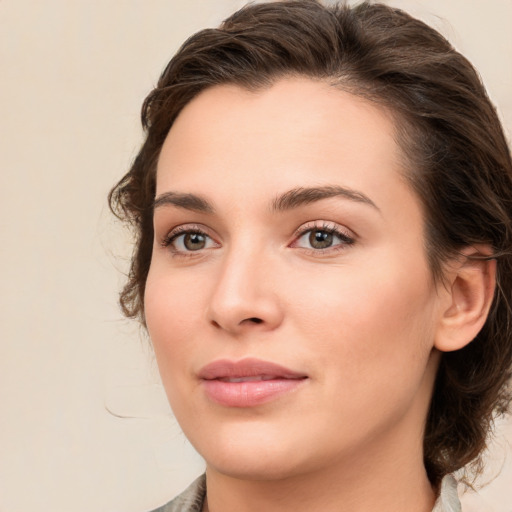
83	422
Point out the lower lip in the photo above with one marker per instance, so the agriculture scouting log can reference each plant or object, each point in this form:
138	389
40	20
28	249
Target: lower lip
249	394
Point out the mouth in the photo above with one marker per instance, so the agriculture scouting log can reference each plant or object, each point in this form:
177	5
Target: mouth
249	382
255	378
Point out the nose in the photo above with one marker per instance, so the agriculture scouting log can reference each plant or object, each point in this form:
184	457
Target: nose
246	295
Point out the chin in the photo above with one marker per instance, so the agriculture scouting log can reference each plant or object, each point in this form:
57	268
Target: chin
255	467
251	455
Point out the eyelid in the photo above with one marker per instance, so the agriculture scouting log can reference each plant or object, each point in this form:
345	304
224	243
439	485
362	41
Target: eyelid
347	236
324	225
171	235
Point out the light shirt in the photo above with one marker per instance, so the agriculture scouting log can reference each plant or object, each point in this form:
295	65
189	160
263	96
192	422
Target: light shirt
191	500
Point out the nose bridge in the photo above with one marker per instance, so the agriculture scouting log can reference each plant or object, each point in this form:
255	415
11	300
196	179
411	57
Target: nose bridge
244	295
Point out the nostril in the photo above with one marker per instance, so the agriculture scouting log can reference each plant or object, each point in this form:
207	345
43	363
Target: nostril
253	320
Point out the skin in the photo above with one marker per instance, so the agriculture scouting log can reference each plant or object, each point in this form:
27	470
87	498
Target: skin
360	319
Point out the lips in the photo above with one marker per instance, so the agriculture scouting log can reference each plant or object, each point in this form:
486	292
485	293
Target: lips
248	383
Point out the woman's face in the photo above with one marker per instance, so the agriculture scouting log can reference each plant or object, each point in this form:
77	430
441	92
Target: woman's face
289	299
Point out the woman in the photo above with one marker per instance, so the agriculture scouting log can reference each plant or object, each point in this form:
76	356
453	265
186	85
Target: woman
323	261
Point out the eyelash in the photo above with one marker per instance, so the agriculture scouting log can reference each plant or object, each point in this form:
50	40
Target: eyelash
170	239
345	238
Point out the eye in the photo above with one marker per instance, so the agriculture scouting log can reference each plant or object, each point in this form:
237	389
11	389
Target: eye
322	238
319	239
184	240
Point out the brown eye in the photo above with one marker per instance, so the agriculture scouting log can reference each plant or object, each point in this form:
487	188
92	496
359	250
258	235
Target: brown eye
194	241
189	241
319	239
323	239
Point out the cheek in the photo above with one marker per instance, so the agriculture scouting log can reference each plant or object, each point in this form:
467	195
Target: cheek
371	350
171	309
372	323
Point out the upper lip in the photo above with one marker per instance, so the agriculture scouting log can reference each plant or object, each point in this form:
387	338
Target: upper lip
249	367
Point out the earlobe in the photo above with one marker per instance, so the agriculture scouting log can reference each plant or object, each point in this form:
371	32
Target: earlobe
470	292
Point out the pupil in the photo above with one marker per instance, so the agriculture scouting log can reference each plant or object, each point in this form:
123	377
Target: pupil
194	241
320	239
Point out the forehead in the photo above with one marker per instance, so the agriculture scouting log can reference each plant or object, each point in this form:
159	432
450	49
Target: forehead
298	131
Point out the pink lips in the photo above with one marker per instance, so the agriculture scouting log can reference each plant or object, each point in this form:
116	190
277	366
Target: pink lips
248	382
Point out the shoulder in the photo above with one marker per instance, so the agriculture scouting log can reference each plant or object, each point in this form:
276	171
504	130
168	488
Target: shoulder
190	500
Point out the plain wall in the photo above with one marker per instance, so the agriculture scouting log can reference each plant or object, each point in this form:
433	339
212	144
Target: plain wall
84	425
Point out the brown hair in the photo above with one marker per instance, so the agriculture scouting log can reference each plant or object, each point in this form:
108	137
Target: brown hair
457	157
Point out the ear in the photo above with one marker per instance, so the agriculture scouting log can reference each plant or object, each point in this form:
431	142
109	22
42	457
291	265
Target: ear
471	280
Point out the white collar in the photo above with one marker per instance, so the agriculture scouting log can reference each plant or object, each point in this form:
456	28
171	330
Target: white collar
448	500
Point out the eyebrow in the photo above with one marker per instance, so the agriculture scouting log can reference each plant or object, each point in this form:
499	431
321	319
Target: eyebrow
300	196
185	201
290	200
